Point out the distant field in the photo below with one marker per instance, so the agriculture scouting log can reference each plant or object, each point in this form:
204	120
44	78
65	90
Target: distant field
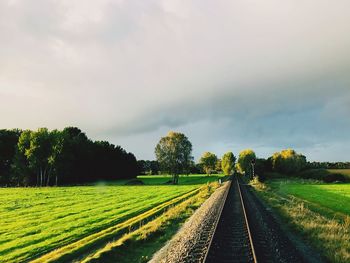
345	172
183	180
335	197
35	221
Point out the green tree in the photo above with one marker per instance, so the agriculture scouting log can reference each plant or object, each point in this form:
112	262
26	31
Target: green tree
262	167
244	163
208	162
8	145
43	158
228	163
288	161
174	154
21	173
218	166
75	161
55	157
38	153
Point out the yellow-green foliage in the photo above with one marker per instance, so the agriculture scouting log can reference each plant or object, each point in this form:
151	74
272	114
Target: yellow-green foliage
255	182
309	211
288	161
228	163
244	161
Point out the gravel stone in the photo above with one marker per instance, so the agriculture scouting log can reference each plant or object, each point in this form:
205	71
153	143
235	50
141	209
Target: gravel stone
191	242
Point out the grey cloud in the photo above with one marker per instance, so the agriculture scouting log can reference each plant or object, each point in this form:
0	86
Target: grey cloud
266	74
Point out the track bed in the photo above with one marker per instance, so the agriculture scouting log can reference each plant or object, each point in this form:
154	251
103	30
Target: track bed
247	232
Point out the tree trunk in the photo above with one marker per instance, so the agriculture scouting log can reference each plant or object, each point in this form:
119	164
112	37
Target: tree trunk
41	176
56	179
175	179
44	177
45	174
48	176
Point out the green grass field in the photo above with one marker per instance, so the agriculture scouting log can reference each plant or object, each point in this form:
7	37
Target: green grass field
183	180
335	197
318	212
34	221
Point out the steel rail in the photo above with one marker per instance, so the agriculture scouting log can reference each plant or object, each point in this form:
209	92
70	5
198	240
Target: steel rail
218	219
246	222
245	219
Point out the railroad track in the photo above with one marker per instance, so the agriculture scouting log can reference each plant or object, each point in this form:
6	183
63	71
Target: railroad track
238	227
246	231
232	240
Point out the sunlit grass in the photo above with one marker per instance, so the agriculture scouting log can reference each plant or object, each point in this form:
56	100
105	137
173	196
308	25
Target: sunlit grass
139	245
332	196
318	212
35	221
183	180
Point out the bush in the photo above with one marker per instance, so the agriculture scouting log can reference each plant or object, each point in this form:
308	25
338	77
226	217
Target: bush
263	168
322	175
272	175
316	174
330	178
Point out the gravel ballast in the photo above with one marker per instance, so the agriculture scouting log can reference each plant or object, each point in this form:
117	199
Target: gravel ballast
191	242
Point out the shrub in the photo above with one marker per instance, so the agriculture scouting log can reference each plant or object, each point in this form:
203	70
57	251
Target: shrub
322	175
316	174
330	178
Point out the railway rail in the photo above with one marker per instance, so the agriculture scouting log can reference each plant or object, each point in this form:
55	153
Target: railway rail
246	231
237	227
232	240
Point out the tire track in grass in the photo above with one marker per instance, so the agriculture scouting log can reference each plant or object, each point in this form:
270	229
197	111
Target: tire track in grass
74	249
152	235
58	238
98	205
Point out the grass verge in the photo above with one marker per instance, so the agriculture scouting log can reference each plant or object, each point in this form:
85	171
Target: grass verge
140	245
328	234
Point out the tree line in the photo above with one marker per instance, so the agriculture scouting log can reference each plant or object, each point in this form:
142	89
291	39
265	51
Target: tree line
174	156
44	158
285	162
329	165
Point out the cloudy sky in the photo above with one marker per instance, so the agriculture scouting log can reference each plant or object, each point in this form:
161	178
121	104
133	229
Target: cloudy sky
265	75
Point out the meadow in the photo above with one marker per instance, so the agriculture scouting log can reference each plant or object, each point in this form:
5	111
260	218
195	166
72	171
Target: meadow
318	212
335	197
183	180
35	221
